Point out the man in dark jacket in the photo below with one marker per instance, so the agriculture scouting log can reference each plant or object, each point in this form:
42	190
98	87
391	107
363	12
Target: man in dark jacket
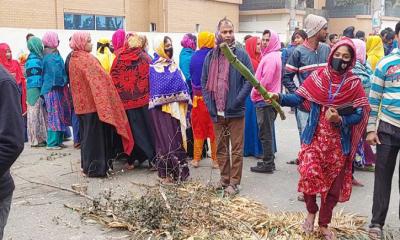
224	92
11	140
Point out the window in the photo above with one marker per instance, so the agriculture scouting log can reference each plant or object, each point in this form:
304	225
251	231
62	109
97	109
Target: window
109	22
153	27
78	21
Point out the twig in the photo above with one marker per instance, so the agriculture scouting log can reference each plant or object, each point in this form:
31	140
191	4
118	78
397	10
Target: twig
164	197
58	187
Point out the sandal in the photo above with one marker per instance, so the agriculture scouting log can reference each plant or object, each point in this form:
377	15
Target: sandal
375	232
329	236
231	191
195	163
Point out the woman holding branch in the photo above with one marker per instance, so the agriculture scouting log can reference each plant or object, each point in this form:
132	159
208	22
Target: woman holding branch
338	116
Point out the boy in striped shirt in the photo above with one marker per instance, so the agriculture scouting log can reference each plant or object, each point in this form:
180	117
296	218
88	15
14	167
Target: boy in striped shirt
385	92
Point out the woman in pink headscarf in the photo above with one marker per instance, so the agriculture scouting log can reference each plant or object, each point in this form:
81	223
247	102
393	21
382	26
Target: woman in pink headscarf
118	40
55	92
269	74
98	107
365	158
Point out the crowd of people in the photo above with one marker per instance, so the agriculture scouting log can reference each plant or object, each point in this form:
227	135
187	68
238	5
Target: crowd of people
126	105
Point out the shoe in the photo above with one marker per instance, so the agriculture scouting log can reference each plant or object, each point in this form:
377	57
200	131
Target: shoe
62	145
54	148
260	164
263	168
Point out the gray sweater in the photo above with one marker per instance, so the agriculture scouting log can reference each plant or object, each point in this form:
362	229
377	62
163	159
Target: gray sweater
239	87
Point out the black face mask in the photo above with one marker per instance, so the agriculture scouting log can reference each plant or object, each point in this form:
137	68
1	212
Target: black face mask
339	64
169	52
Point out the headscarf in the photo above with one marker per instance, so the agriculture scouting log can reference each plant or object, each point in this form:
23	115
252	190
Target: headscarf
35	46
375	50
93	91
50	40
274	44
79	40
104	54
135	41
251	49
118	39
361	51
206	40
189	41
316	89
158	47
313	24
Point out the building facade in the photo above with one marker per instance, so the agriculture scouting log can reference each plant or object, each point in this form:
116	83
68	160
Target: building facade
258	15
134	15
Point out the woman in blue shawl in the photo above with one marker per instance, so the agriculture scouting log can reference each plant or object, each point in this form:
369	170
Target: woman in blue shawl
169	100
189	44
55	92
36	111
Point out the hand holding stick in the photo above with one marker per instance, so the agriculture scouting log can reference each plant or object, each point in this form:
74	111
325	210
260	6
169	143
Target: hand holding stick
250	77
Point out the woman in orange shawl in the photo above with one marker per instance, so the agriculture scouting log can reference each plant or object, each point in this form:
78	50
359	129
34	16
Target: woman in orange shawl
98	107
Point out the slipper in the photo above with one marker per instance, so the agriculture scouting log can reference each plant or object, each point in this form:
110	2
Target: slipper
375	233
329	236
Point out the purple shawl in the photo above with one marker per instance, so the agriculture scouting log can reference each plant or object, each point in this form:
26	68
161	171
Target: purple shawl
166	83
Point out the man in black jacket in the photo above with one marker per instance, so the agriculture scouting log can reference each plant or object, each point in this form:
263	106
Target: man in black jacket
11	140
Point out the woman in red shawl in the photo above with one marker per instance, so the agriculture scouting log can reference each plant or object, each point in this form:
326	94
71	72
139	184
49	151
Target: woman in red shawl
252	145
130	74
98	107
339	113
14	68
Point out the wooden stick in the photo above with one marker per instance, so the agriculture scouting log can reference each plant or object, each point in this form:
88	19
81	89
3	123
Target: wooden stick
238	65
57	187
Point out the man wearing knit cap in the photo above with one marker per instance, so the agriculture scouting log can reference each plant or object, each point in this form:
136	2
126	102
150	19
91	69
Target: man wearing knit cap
305	59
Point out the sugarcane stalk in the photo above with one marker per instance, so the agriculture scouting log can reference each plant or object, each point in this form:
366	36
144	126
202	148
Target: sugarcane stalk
245	72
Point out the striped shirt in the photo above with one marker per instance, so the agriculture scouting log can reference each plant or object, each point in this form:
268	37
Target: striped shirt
384	96
302	62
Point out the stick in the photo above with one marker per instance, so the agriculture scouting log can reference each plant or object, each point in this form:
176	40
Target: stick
238	65
58	187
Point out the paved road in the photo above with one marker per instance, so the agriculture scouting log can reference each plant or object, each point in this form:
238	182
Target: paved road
38	212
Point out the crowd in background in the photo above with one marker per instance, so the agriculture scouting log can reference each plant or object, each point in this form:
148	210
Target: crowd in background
126	105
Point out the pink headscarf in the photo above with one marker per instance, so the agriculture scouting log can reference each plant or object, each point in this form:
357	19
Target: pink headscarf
50	40
189	41
79	40
118	39
274	44
361	50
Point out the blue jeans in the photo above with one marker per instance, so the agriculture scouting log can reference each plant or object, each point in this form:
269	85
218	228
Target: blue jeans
301	118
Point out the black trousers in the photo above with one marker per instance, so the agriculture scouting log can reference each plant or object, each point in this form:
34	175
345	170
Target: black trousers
265	121
140	122
386	156
96	145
